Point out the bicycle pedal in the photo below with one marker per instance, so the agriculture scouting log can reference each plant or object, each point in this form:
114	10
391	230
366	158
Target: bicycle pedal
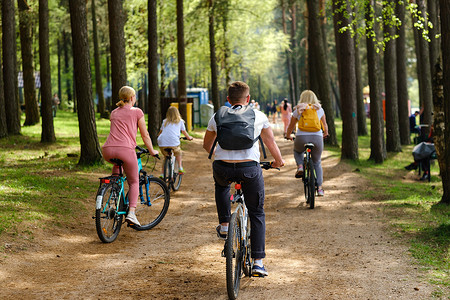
257	275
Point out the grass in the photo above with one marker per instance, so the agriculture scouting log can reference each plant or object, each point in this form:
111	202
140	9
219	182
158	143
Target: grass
412	207
40	184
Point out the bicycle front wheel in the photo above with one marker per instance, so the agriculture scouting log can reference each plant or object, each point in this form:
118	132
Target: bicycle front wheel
234	256
153	202
312	184
176	176
107	221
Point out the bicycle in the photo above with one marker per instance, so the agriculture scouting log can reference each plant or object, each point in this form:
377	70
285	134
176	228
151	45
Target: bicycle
237	248
112	203
172	177
309	176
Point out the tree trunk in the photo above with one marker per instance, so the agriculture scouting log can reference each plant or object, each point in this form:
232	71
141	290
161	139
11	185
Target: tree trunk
48	130
9	68
154	100
433	13
181	61
90	147
377	144
116	18
26	40
321	68
402	85
390	82
296	95
3	127
212	56
66	45
345	51
288	56
59	70
425	75
361	108
98	73
445	45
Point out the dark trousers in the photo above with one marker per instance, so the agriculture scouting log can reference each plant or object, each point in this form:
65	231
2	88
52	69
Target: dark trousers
253	189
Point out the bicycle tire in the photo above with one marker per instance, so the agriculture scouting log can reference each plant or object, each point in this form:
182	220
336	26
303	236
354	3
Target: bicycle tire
233	254
152	213
312	184
176	182
167	171
247	261
107	221
305	182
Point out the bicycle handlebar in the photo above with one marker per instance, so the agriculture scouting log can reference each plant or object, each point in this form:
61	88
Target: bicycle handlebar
266	165
144	151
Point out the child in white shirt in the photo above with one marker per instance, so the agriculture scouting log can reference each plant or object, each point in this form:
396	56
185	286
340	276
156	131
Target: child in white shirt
169	135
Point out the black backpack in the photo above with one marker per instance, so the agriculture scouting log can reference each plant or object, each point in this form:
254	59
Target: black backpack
235	128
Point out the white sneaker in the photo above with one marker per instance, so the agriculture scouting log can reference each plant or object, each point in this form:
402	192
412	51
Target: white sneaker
299	172
132	220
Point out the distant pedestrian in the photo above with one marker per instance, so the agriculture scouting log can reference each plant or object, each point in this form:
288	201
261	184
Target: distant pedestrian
55	103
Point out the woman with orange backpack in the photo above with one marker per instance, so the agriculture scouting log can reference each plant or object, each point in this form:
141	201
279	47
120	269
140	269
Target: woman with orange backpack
312	128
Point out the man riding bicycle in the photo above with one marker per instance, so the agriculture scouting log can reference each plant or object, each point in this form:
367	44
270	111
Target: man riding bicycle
242	165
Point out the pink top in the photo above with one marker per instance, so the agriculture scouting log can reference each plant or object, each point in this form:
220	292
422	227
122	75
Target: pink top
124	125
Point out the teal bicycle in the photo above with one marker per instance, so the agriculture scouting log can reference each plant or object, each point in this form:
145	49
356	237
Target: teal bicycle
112	203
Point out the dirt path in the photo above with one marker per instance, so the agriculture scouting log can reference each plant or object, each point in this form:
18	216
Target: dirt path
339	250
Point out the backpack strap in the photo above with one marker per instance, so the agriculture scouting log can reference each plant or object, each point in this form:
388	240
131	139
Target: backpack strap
212	148
262	147
260	142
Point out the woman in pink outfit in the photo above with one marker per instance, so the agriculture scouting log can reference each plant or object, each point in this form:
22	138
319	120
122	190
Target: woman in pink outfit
286	112
121	143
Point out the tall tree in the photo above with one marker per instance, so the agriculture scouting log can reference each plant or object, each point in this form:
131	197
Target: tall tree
116	19
182	97
445	45
66	45
90	147
3	127
154	100
345	52
9	67
48	130
296	95
98	74
390	82
402	84
212	56
433	13
26	40
377	144
318	63
360	107
288	55
424	77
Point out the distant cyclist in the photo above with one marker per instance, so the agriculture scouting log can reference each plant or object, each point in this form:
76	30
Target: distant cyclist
169	135
242	165
308	100
121	143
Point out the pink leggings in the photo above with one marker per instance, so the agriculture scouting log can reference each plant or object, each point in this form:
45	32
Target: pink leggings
130	166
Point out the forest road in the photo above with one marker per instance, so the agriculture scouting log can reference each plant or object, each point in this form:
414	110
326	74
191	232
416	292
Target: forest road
339	250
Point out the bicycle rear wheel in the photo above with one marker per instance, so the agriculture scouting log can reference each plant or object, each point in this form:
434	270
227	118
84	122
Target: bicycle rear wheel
176	176
107	221
234	256
312	184
153	202
167	171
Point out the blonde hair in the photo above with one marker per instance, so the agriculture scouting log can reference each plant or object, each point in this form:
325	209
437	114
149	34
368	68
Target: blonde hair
308	97
125	95
173	115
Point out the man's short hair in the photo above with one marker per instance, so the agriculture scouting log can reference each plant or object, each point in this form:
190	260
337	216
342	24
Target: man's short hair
238	90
